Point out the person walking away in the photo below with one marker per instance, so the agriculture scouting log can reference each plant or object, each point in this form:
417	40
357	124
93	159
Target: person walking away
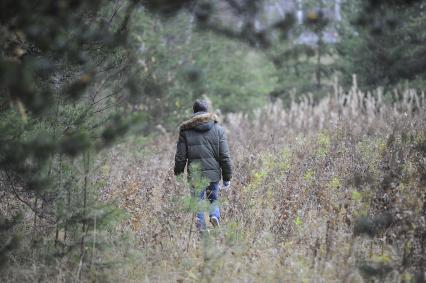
202	146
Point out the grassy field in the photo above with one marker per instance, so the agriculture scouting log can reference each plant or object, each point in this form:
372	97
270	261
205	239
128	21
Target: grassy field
333	192
325	192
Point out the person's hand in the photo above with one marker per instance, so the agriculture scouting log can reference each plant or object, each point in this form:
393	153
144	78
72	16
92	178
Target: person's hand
226	185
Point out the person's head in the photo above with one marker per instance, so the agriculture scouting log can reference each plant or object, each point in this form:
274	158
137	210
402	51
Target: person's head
200	105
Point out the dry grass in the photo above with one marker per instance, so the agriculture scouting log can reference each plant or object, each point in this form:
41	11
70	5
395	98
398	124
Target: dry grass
303	176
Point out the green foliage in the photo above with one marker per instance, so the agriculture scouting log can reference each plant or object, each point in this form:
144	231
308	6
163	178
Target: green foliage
178	64
59	106
298	221
356	196
324	144
232	90
335	183
305	68
385	46
309	176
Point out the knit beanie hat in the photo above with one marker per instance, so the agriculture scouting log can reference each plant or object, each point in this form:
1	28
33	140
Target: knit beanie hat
200	105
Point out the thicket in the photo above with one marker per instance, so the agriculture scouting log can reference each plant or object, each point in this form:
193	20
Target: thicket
331	192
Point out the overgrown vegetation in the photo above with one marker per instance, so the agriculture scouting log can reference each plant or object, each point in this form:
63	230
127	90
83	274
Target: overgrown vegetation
333	192
329	180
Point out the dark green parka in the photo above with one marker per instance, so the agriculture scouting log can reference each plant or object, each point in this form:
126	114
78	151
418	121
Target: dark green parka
203	140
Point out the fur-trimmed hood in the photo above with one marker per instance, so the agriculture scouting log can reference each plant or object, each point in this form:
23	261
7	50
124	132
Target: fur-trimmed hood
201	121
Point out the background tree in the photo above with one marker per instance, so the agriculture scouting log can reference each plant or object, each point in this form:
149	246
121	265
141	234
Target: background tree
384	43
63	69
179	63
304	62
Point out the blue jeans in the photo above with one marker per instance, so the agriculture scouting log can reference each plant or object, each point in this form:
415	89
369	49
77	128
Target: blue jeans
212	194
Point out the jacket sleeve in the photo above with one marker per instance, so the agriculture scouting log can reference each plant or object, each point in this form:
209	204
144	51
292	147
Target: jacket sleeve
224	157
181	155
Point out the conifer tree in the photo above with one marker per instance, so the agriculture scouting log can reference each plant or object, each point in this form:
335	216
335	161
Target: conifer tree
384	43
